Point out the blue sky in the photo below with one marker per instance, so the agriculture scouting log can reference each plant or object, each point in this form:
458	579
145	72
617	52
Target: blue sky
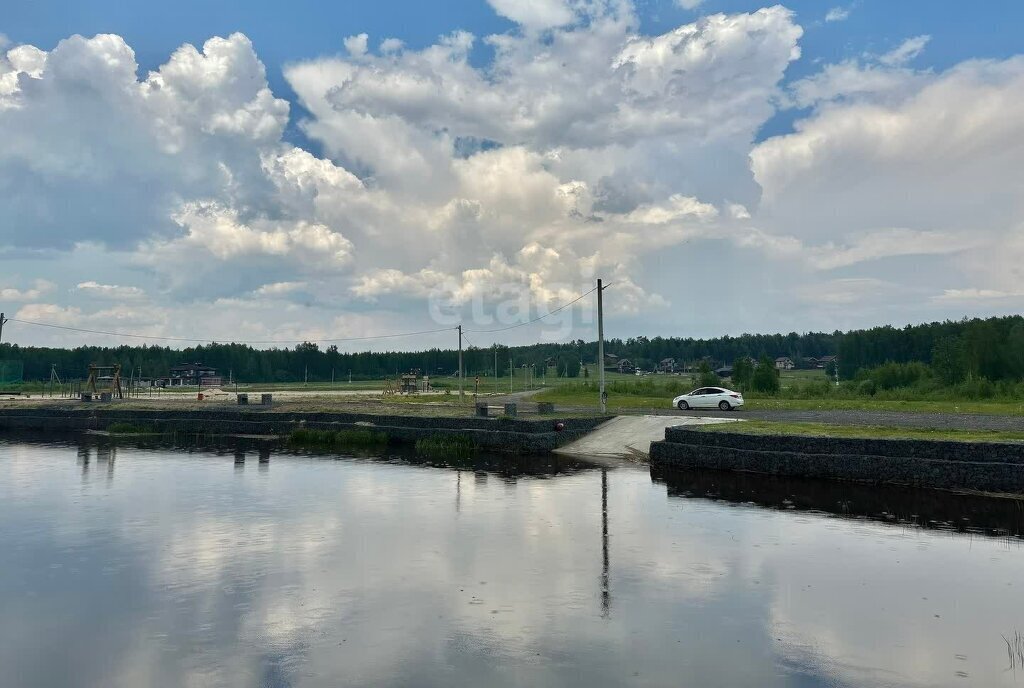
733	167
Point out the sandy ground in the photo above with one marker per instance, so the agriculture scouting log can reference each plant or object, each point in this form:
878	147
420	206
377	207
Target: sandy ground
350	401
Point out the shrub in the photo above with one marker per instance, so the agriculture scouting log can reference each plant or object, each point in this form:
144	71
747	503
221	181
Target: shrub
446	446
129	429
336	438
706	377
866	388
893	375
978	388
765	378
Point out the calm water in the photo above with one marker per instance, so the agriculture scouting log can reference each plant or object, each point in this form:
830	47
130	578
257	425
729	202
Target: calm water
132	566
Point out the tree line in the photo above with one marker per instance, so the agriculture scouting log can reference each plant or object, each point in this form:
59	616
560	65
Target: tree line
990	348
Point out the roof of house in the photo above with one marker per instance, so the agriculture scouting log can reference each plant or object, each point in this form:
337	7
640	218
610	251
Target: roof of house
783	358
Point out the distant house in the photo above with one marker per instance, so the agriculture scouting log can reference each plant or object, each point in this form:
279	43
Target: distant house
809	362
824	361
193	375
625	366
784	363
667	365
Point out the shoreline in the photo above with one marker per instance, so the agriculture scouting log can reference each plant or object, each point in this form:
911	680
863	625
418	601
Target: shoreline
513	436
984	467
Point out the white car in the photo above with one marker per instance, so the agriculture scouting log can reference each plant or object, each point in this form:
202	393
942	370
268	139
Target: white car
709	397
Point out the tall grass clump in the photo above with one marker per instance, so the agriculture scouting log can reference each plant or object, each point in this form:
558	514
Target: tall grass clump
446	447
304	437
130	429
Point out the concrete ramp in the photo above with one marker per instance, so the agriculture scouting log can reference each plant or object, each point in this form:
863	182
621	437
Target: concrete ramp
629	437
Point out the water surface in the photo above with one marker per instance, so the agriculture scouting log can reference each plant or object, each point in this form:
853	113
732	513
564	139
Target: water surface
154	566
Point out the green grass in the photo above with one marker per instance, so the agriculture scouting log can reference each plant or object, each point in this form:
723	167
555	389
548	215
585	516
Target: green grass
656	392
999	408
336	438
130	429
446	447
762	427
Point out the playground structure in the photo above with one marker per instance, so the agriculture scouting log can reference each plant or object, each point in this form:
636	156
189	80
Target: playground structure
407	383
104	380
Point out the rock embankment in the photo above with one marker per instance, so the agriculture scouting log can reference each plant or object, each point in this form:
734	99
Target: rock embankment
496	434
982	466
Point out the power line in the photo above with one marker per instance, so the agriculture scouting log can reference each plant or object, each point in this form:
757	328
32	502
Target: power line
540	317
331	340
226	339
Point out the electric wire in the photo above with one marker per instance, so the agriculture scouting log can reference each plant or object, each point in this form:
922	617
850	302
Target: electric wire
164	338
331	340
539	317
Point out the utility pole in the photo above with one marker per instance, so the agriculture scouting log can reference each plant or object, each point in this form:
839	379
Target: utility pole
495	368
460	364
511	372
2	321
600	346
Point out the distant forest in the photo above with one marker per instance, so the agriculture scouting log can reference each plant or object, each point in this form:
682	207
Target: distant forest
991	348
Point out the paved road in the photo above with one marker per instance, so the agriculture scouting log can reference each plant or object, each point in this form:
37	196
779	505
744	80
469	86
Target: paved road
901	419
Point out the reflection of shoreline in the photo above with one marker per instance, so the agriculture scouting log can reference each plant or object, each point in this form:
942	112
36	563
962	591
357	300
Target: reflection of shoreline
932	509
507	466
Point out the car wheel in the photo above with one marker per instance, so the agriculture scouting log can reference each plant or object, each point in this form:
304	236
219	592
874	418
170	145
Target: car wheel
683	406
724	405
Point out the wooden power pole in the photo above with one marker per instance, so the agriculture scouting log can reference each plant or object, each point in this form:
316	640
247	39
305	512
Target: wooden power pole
600	346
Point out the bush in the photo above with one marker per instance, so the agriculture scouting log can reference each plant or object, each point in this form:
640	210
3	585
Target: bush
812	389
706	377
893	375
978	388
866	388
336	438
766	378
446	446
129	429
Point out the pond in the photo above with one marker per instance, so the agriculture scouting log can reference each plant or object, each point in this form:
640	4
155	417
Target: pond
136	564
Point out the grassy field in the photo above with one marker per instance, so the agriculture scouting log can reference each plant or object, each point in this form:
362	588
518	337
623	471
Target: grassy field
760	427
656	392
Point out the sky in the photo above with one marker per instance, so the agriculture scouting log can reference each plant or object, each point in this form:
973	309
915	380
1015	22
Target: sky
332	172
